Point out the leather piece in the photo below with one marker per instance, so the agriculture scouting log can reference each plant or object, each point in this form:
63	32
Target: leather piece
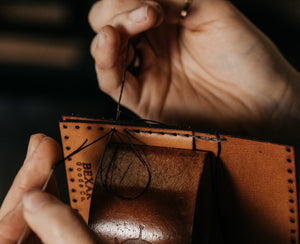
257	192
165	212
255	181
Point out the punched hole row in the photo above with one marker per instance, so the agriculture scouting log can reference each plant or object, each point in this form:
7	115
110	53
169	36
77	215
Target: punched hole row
291	191
78	127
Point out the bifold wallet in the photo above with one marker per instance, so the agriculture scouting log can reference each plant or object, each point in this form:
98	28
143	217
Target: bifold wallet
146	184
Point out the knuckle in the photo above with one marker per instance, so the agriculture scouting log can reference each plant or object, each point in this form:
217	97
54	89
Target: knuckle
37	137
94	16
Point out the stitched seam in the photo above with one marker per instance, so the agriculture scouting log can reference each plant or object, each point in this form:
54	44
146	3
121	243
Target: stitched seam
162	133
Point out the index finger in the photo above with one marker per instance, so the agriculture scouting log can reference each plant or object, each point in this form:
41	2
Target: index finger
43	153
103	11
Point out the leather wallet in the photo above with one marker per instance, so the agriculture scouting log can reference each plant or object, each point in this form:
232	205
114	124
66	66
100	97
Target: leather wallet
147	184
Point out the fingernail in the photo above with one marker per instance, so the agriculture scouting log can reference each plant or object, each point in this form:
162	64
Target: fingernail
101	38
33	200
140	14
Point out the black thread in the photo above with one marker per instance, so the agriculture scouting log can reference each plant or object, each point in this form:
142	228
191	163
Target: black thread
136	63
125	69
194	142
144	163
150	45
122	85
79	149
150	122
100	167
178	134
105	184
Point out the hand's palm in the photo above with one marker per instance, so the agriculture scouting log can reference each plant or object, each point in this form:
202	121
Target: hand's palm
214	69
216	74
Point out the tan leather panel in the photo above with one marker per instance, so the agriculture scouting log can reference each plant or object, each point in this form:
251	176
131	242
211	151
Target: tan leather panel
161	137
258	194
74	134
256	183
81	168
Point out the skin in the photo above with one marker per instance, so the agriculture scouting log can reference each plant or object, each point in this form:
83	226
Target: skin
214	70
50	219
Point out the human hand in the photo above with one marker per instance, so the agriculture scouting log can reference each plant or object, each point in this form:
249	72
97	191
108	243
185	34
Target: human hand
214	69
51	220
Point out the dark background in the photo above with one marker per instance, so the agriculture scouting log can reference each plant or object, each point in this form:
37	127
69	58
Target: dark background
46	69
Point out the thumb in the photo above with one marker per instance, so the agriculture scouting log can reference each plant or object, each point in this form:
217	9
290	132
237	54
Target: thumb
53	221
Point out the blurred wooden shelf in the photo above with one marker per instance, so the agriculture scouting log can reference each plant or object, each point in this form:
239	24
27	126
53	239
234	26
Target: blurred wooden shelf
42	13
41	50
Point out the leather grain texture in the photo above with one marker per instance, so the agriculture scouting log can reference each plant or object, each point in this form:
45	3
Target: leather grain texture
165	212
255	193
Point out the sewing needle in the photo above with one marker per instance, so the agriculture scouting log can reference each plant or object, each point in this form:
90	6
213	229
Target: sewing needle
21	238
